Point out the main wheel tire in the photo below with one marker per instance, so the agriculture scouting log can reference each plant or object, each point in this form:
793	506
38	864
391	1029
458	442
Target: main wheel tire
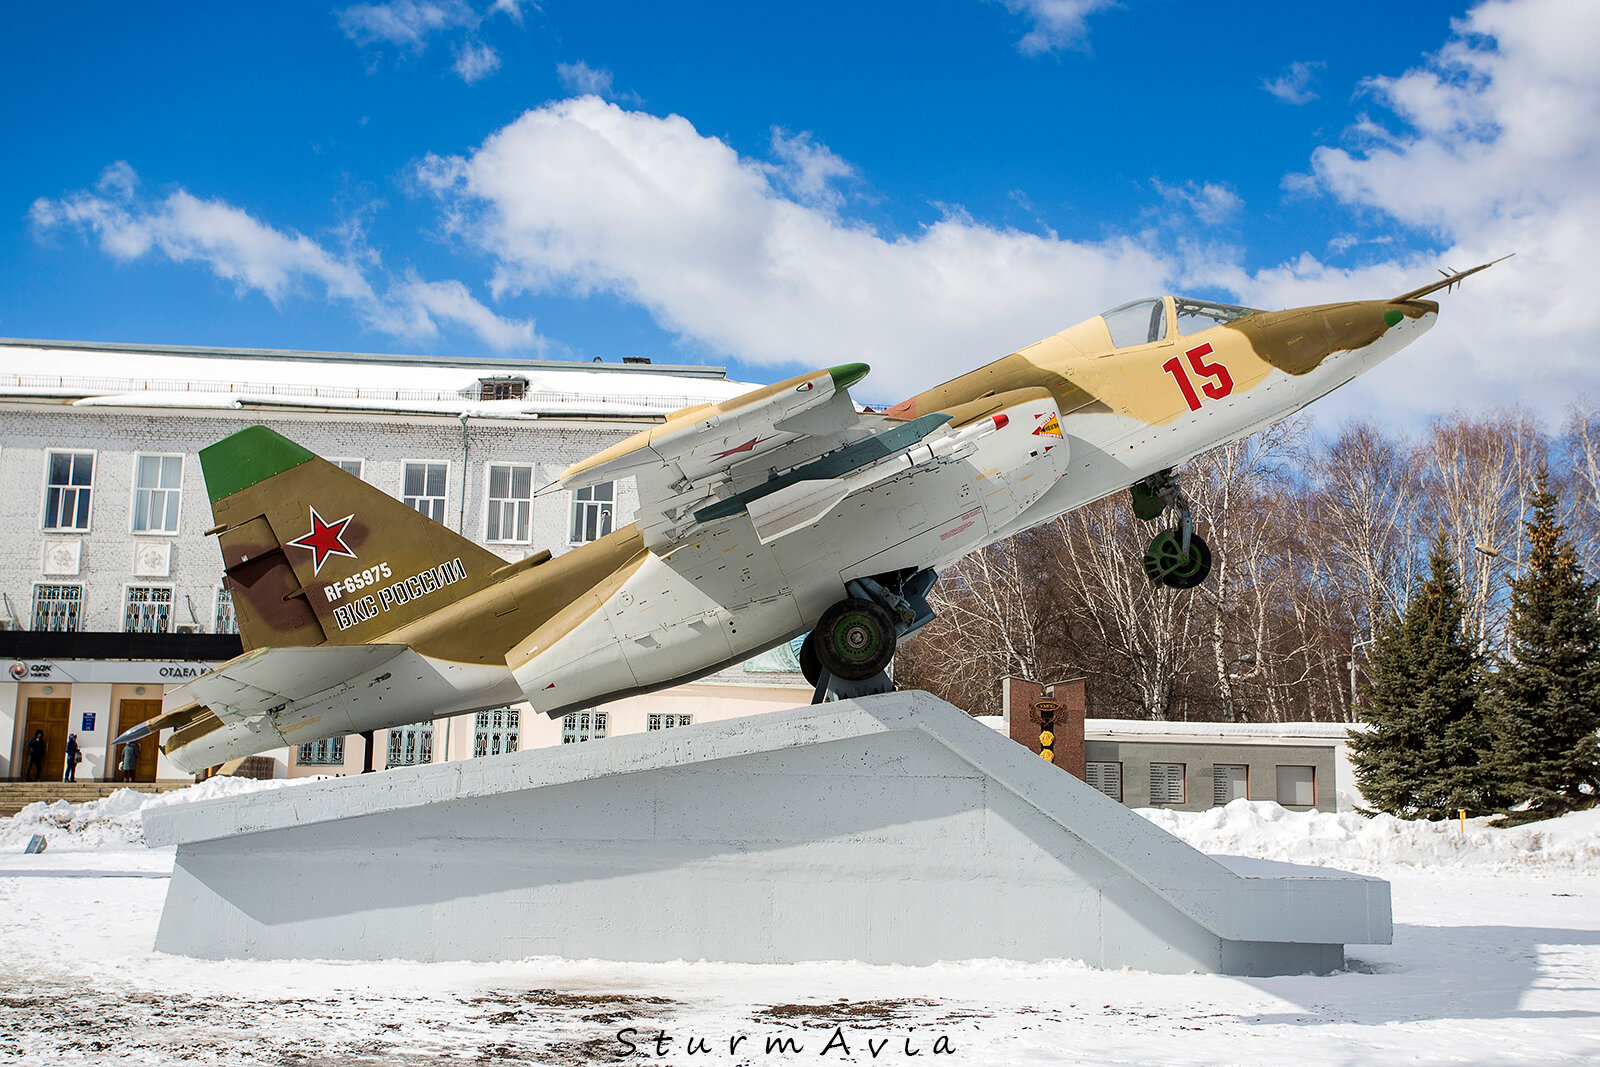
810	666
855	639
1165	561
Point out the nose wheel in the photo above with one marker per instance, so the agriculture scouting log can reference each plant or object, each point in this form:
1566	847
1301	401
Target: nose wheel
1166	561
1176	558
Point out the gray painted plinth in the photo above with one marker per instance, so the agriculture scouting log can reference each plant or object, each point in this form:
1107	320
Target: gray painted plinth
888	829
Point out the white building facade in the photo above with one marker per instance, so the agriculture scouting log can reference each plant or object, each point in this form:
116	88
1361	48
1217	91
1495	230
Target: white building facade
110	591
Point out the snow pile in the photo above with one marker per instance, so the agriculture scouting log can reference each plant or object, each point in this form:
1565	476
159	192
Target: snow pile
113	822
1265	830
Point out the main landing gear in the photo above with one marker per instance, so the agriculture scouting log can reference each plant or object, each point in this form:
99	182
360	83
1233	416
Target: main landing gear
847	654
1177	558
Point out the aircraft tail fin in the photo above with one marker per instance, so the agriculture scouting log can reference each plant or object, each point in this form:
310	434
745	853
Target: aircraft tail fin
312	554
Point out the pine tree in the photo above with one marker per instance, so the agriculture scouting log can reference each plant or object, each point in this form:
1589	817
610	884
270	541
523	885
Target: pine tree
1546	696
1422	755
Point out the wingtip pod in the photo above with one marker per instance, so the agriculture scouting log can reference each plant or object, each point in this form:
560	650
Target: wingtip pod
242	459
847	374
1450	280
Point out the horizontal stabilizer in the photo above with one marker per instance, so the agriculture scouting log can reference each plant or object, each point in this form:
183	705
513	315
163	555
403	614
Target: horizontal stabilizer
265	679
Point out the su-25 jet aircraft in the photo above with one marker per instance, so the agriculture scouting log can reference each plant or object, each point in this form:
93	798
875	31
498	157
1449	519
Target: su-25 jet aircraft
780	512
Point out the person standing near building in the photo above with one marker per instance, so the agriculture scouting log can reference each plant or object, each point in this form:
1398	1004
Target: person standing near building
74	754
130	760
36	750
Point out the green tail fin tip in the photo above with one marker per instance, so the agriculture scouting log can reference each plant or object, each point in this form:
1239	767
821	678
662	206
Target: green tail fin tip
252	455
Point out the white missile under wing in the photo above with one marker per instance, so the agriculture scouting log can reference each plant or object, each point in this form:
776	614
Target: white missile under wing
788	454
709	453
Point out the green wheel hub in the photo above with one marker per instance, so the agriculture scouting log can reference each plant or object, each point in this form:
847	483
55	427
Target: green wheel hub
855	639
1166	562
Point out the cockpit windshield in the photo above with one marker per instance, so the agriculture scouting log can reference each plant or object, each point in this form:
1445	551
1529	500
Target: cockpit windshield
1142	322
1197	315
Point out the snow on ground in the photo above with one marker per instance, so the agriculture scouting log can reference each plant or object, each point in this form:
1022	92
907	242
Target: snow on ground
114	821
1496	960
1382	843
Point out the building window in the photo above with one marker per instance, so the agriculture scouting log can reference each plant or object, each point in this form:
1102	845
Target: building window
68	476
510	502
1297	787
496	732
502	388
57	607
591	512
146	609
326	753
223	620
410	745
667	722
1166	783
157	485
349	466
422	486
1229	781
583	726
1106	777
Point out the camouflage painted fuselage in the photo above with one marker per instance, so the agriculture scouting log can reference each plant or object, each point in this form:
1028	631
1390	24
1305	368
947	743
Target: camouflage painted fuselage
459	630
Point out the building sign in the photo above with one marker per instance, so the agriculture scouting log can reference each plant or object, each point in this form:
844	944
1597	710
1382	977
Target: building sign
88	723
103	671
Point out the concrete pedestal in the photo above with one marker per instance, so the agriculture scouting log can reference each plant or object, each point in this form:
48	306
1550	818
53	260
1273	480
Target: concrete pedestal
889	829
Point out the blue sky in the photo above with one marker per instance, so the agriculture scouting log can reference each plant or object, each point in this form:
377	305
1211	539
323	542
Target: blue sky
925	186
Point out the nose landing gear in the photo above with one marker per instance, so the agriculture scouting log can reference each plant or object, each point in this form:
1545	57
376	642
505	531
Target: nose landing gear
1177	557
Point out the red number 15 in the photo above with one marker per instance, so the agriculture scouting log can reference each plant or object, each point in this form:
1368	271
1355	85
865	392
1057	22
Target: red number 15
1221	383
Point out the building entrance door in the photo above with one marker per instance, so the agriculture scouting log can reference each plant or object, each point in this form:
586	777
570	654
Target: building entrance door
132	713
49	715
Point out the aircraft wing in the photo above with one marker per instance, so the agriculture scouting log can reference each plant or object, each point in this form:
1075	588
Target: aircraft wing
265	679
701	456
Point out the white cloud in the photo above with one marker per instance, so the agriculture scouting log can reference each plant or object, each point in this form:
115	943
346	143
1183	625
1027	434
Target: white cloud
410	24
404	23
581	196
580	79
1497	150
254	256
475	61
1211	202
809	170
1056	23
451	301
1293	86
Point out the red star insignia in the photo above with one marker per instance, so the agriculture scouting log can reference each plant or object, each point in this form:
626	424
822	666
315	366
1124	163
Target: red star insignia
747	446
325	539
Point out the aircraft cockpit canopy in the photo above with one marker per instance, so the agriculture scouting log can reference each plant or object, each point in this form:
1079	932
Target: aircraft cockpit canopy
1141	322
1197	315
1144	322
